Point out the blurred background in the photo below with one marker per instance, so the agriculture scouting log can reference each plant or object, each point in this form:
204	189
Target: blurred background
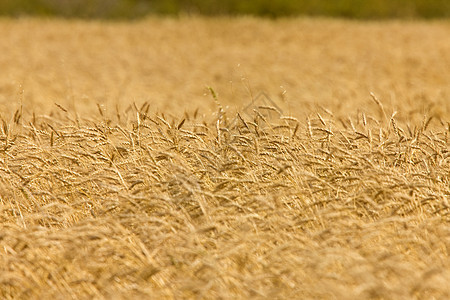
132	9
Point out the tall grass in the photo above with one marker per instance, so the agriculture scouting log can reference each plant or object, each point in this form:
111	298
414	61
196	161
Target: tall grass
317	189
249	205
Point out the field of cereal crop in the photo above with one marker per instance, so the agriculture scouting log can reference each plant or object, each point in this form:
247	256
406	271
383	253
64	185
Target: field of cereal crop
224	158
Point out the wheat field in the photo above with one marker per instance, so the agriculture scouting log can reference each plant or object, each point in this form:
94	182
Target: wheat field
230	158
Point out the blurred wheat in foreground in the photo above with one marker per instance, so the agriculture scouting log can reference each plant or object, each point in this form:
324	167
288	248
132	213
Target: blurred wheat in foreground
260	205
